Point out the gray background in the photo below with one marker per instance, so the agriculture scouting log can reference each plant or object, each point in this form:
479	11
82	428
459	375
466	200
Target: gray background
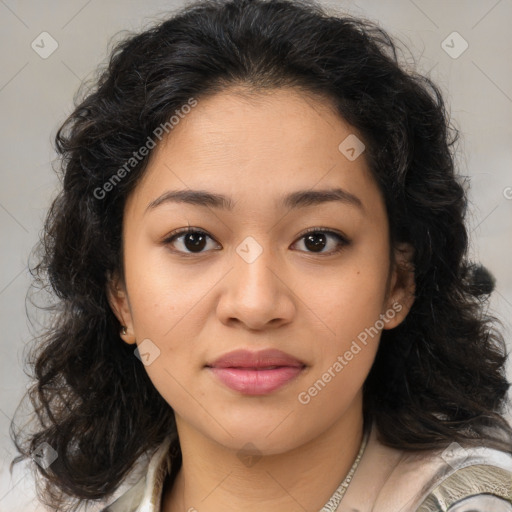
36	96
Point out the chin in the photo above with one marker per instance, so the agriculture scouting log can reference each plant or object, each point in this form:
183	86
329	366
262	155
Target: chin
266	438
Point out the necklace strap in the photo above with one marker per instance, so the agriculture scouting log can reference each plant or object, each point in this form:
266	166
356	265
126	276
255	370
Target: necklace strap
335	499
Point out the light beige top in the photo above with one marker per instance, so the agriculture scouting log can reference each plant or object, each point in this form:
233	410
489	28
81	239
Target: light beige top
456	479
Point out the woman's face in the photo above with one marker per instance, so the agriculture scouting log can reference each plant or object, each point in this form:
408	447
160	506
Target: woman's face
252	279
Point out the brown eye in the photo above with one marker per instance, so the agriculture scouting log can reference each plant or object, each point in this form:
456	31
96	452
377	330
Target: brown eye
316	240
194	241
191	240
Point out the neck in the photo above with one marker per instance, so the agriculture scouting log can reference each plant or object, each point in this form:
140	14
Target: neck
214	478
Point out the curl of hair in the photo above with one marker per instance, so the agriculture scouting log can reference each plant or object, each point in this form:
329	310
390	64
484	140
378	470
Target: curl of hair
438	377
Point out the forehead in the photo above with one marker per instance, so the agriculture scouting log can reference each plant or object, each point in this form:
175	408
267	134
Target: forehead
256	147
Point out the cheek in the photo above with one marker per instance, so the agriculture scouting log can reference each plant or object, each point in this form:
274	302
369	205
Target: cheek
351	301
165	308
344	355
161	298
351	306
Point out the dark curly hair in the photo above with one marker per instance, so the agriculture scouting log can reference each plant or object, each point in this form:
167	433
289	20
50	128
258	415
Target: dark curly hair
438	377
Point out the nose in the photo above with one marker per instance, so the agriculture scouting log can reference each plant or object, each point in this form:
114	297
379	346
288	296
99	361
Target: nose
257	292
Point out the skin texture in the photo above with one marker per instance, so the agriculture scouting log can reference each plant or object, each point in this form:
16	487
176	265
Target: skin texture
312	305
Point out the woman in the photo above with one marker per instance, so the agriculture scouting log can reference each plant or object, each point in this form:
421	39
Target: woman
260	259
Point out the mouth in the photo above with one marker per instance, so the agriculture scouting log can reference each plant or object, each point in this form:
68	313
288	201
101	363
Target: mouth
256	381
263	359
256	373
256	368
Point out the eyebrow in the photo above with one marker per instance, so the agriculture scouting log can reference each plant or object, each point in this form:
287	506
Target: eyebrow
298	199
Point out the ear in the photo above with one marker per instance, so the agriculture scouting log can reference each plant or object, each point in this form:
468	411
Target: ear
118	300
402	286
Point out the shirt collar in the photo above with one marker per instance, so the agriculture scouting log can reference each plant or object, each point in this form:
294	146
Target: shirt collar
146	494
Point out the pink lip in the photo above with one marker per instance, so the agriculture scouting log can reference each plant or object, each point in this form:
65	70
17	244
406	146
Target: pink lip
249	372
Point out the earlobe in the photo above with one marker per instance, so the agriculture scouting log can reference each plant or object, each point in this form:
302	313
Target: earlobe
118	301
403	285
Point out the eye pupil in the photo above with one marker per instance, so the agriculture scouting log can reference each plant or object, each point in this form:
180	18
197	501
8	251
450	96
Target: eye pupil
195	240
315	241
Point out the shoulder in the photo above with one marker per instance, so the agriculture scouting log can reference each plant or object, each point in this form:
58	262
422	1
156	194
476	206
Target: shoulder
470	480
456	479
391	480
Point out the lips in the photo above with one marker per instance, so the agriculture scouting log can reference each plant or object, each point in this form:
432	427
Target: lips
256	373
265	359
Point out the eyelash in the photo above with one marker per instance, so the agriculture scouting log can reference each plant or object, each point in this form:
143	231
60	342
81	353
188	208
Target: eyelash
343	241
